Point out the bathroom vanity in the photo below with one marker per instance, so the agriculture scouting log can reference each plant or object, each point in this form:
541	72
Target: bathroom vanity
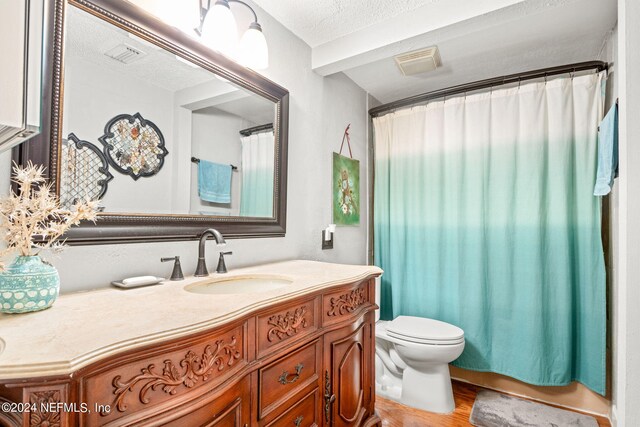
298	352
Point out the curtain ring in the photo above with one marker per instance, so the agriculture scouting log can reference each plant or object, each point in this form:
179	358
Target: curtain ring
519	81
573	72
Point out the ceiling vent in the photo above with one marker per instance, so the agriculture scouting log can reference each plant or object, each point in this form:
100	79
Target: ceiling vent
125	53
419	61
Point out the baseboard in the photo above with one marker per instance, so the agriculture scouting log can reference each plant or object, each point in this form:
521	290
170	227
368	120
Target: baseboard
533	398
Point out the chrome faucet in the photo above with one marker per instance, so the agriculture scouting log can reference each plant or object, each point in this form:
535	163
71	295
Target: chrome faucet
201	269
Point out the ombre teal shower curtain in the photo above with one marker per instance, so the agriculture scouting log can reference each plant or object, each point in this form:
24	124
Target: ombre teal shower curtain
256	194
484	217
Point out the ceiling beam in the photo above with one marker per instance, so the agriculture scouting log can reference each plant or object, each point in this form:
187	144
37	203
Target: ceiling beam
413	30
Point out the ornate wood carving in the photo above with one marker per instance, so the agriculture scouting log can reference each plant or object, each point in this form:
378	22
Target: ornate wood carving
347	303
39	402
193	368
287	324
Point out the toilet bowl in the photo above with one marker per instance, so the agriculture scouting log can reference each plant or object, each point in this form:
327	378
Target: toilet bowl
412	361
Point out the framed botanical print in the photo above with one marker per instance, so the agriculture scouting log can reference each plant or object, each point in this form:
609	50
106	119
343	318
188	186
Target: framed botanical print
346	190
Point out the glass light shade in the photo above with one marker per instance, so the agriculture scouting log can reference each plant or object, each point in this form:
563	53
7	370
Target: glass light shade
219	30
184	15
253	51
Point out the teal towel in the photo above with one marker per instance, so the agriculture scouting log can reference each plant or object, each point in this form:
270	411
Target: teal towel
214	182
607	152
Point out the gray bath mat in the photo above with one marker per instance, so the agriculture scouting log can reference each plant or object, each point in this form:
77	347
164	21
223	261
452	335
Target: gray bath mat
493	409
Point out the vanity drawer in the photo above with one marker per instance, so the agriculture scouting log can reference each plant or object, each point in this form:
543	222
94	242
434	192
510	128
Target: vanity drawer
341	304
286	324
137	384
304	413
282	379
231	408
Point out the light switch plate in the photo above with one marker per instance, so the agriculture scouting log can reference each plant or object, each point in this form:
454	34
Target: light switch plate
327	244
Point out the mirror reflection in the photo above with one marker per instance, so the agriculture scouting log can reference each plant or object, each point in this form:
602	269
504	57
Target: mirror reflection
149	132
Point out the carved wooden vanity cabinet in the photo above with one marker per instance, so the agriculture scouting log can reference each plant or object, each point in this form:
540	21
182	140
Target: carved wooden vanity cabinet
302	362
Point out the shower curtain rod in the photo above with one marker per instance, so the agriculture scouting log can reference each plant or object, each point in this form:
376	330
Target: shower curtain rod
488	83
256	129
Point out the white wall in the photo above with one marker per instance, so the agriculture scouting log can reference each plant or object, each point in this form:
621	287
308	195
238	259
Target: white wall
12	48
626	390
610	54
92	97
320	109
5	172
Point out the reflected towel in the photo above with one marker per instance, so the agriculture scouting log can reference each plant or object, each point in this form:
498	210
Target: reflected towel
214	182
607	152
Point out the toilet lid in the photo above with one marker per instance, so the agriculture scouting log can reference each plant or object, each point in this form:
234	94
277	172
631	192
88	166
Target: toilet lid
420	329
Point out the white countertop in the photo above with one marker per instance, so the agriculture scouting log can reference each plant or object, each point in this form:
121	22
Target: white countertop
84	327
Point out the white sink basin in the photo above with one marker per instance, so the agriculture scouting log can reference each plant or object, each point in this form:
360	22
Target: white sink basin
238	285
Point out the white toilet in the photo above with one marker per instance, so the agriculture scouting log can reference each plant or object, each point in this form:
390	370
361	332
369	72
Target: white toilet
412	361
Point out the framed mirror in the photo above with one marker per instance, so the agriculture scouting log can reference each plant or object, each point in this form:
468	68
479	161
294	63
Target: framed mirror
190	139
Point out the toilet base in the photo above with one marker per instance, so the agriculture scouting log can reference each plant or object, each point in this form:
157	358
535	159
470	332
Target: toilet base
428	389
389	391
388	385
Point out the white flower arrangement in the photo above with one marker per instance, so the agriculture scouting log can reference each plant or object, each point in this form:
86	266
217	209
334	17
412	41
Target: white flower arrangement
33	220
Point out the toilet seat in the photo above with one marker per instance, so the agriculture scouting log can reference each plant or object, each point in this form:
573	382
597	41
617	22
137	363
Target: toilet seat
420	330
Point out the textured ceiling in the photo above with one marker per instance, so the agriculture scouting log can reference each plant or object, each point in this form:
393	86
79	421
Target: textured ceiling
571	31
477	39
320	21
88	37
254	109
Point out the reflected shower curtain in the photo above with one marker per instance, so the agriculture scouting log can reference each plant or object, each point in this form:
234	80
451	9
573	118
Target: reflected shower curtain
485	218
256	197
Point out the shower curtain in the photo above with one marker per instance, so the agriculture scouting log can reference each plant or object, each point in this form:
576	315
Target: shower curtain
256	196
485	218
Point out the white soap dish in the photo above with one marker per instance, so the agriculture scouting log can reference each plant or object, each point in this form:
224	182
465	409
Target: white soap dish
136	282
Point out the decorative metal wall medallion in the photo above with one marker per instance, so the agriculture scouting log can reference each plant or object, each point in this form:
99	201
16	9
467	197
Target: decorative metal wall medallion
190	370
134	146
287	324
84	172
347	303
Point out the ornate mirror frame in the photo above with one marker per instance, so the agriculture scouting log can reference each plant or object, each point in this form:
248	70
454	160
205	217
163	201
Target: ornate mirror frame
122	228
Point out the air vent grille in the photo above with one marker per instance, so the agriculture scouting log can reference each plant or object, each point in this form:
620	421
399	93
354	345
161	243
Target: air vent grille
418	61
125	53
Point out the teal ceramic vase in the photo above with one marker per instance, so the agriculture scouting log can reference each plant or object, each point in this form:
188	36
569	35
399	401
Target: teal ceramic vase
28	284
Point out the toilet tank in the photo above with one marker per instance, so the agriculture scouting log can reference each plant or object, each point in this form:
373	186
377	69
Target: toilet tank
378	286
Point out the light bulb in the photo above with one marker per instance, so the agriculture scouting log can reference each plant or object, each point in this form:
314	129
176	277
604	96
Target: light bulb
253	51
219	30
183	15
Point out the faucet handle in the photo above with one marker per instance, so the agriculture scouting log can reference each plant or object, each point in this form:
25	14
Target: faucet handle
222	267
176	274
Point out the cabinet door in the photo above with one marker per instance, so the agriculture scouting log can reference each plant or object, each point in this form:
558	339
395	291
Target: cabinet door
347	387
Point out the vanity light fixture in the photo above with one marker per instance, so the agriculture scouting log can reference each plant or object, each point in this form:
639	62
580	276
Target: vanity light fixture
218	30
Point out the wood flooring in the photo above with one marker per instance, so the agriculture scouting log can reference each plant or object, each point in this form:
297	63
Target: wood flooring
394	414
